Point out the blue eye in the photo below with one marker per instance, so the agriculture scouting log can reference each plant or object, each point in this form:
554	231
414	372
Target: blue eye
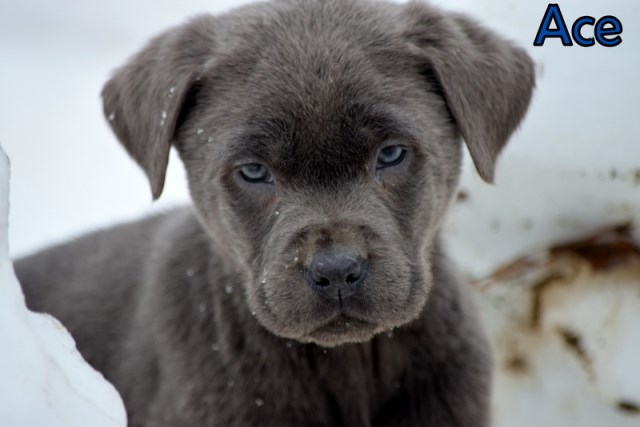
255	172
391	156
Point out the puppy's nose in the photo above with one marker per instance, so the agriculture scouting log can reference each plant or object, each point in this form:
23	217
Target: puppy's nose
336	274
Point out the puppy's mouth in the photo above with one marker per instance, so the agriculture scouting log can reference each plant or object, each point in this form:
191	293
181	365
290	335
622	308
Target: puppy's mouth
291	306
342	329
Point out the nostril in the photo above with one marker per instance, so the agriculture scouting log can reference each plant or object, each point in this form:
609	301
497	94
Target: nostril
323	282
352	278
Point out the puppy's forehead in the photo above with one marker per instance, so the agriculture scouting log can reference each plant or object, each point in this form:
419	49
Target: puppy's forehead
337	136
310	48
317	96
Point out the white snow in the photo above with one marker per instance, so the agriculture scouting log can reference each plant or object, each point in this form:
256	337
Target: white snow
44	380
573	363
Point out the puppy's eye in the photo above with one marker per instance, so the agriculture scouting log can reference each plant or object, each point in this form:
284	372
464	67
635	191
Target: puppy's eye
391	156
255	172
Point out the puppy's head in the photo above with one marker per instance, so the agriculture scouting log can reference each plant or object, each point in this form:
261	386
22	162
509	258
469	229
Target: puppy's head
322	143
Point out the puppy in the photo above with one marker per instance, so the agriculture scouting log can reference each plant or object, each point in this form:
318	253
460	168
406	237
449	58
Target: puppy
306	284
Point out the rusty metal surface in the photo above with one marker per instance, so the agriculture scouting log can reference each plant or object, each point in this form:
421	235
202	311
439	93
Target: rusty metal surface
564	325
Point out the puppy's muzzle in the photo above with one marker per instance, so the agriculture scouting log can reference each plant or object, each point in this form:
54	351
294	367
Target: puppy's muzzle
336	274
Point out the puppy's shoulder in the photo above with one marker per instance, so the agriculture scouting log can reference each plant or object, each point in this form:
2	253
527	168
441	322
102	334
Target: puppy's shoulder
116	256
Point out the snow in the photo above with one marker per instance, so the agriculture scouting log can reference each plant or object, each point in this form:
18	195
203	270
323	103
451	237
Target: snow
575	359
55	60
45	381
535	203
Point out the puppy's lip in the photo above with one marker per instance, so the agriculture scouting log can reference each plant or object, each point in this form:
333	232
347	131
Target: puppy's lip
342	323
350	312
342	330
344	318
320	323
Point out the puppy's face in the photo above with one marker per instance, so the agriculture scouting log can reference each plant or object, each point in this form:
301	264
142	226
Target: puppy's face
322	147
327	183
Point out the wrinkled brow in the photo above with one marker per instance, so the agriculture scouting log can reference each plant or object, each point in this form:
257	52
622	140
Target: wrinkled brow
263	132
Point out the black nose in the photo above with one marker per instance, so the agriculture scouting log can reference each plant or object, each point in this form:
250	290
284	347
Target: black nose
336	274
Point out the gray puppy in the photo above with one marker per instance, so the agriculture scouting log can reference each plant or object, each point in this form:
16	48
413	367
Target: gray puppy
306	285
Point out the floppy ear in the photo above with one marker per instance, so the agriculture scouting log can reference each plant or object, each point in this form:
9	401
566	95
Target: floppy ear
144	99
486	81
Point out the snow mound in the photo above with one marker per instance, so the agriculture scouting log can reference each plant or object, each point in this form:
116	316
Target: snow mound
45	380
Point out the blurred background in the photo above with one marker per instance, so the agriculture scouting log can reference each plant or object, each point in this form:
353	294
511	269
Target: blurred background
551	249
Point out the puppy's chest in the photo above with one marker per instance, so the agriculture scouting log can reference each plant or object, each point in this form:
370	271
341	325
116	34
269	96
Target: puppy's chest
308	385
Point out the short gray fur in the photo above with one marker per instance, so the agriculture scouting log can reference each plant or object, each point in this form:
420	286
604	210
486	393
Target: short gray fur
201	316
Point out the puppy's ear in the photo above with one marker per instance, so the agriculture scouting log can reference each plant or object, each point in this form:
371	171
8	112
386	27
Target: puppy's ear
486	81
145	98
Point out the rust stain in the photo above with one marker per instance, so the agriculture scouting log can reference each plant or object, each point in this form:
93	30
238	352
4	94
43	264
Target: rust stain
462	196
603	250
537	292
517	364
573	342
628	407
512	270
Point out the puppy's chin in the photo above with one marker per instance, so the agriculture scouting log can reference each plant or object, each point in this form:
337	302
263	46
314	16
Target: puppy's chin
342	330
